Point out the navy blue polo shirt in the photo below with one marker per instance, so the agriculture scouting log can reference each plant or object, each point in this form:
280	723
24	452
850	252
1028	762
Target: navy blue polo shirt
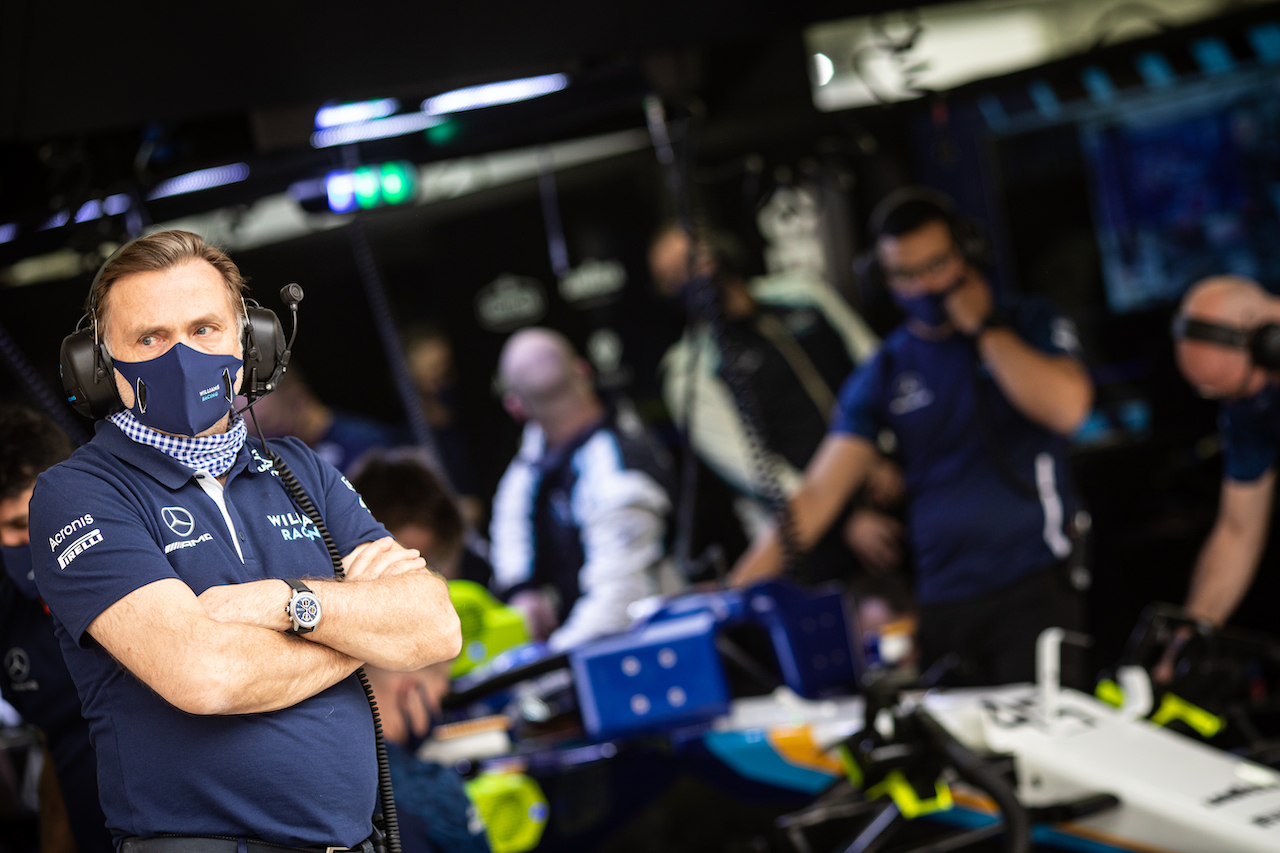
976	522
119	515
1250	432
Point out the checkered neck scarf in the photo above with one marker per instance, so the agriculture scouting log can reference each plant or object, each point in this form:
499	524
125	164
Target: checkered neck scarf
212	453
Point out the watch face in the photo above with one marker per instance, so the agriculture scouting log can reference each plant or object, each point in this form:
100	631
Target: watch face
306	609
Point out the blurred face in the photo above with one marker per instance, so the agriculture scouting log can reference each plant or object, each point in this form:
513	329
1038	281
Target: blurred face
13	519
444	557
669	263
150	312
925	260
431	363
1218	372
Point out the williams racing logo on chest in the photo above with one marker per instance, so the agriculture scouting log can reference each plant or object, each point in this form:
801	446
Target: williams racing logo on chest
293	526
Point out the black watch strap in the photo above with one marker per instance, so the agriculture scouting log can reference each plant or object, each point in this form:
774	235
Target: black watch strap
997	318
299	588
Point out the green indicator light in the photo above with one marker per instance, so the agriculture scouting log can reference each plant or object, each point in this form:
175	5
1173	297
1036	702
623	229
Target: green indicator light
398	182
367	185
444	132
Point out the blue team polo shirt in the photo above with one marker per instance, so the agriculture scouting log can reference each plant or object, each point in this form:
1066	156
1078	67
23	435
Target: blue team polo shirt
1250	432
972	530
119	515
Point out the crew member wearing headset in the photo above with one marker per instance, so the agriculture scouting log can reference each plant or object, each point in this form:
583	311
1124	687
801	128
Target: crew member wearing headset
194	599
979	395
1228	348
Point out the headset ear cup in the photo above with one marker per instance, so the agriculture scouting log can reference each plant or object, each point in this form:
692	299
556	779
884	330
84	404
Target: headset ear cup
1264	348
88	376
263	346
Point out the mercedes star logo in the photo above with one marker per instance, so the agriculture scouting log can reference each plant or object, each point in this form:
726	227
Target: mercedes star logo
178	519
17	664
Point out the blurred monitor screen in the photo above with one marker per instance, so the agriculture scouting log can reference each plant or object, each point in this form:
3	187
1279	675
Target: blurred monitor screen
1186	188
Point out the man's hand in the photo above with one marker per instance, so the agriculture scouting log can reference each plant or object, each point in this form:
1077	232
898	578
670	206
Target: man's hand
885	487
381	558
969	304
875	539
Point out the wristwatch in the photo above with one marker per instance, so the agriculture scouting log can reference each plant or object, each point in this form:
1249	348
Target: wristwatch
997	318
303	608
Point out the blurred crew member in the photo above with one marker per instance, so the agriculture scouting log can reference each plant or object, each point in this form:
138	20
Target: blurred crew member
435	814
337	437
218	685
979	396
411	501
1229	349
794	341
35	679
580	515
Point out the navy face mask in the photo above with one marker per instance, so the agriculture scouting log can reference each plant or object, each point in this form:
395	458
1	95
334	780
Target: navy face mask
930	308
926	308
17	565
184	391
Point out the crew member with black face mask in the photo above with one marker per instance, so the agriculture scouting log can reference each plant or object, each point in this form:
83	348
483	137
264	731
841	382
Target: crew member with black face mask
194	596
979	395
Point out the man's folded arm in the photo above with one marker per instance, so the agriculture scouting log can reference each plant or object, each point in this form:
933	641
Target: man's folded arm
390	611
162	634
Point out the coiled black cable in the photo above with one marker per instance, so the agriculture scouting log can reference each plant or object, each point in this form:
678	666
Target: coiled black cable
298	494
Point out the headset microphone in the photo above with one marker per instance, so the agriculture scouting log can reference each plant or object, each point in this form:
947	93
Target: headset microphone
264	365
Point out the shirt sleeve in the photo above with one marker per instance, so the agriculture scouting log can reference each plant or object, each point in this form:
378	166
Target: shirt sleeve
511	525
91	546
860	403
622	513
1038	323
1247	452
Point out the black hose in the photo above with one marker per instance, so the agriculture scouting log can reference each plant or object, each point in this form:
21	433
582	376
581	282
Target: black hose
977	772
304	502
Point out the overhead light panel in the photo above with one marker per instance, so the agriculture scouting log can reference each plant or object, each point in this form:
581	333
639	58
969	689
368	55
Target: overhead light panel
8	232
336	115
379	128
203	179
494	94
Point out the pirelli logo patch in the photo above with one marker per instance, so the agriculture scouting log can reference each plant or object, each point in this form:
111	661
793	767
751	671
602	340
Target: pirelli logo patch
78	547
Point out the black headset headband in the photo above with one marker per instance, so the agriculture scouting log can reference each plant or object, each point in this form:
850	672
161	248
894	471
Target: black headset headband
1262	343
1186	328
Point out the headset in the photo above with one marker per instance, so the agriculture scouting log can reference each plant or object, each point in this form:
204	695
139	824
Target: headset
968	239
1261	343
87	371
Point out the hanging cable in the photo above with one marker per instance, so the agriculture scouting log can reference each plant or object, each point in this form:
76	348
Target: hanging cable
25	372
705	309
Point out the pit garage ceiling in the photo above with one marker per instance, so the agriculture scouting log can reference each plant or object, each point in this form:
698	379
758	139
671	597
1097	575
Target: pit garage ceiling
68	68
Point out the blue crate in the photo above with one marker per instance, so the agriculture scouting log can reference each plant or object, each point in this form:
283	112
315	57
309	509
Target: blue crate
663	675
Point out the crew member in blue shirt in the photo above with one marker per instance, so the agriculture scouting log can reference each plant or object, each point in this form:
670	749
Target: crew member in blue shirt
979	395
35	680
169	553
1227	325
